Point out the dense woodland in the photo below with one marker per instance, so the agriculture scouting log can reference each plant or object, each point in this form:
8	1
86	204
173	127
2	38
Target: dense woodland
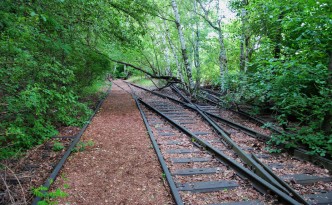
273	55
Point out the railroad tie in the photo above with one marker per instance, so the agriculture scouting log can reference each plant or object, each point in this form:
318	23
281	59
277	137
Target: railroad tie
306	179
192	159
182	151
320	199
209	186
252	202
187	172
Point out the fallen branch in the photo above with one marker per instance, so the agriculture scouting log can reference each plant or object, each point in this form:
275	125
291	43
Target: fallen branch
163	77
170	79
160	88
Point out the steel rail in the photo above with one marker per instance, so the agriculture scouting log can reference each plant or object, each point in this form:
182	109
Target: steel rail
58	167
247	130
297	195
255	179
217	94
257	120
297	152
255	166
168	175
248	116
268	176
207	99
211	97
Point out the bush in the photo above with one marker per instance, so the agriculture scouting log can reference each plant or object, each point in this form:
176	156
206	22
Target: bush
296	91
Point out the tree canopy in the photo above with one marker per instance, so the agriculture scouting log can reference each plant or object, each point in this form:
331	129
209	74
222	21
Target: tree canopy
274	55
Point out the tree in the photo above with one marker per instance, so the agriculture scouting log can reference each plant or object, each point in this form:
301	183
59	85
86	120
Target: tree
217	25
183	46
289	71
48	60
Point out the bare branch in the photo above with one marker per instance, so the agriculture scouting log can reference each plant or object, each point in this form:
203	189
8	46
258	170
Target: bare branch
206	16
163	77
154	69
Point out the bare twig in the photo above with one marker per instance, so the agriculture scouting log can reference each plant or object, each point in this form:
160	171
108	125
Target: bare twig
27	155
12	200
163	77
19	183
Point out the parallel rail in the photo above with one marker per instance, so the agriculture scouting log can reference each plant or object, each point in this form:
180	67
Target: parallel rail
256	166
260	183
297	152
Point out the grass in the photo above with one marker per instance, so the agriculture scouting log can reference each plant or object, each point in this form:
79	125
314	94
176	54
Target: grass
141	81
96	87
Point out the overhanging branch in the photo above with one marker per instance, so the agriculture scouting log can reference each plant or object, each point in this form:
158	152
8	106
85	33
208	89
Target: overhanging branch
163	77
170	79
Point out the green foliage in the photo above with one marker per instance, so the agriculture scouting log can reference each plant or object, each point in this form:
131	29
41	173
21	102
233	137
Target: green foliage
163	176
142	81
51	53
57	146
81	146
288	71
316	142
47	196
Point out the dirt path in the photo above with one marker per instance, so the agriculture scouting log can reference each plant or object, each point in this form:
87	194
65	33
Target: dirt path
121	167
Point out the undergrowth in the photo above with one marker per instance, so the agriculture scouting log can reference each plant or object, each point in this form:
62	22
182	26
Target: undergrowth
296	92
49	197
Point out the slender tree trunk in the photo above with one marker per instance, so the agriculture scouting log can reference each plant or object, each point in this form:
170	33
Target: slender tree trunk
183	45
277	47
166	55
244	43
178	65
242	54
222	55
222	52
327	121
196	59
196	51
155	55
125	69
248	52
222	60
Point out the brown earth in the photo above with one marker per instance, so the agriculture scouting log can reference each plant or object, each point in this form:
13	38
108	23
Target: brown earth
121	167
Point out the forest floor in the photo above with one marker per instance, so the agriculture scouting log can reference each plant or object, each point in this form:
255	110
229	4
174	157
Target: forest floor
121	167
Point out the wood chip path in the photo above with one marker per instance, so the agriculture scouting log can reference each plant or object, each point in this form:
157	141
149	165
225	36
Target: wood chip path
121	167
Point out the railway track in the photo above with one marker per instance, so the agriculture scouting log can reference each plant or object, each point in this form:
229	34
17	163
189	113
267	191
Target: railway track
200	158
244	122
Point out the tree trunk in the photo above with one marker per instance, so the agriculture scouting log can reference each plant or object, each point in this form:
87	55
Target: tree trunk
277	47
179	70
196	52
327	122
155	55
166	55
244	43
222	60
242	53
114	69
222	54
183	46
